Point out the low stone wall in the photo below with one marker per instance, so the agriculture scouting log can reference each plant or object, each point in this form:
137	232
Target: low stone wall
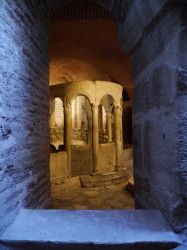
58	165
107	157
128	159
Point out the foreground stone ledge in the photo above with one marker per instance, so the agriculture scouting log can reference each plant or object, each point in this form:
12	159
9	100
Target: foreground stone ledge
102	227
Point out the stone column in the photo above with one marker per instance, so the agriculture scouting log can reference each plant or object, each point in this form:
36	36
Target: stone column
121	130
90	129
52	113
67	135
109	126
117	132
100	117
95	139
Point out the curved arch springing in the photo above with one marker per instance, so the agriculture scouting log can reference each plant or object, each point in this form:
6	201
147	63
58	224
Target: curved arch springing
81	93
108	102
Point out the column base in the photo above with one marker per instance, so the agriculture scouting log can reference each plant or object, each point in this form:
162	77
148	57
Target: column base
119	168
96	172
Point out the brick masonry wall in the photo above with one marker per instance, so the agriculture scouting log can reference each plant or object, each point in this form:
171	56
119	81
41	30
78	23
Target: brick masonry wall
153	33
155	40
24	108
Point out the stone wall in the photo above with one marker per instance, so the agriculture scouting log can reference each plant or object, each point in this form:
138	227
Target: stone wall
153	32
107	157
58	165
24	100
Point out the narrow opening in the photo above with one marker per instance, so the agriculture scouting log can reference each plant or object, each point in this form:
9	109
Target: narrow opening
84	50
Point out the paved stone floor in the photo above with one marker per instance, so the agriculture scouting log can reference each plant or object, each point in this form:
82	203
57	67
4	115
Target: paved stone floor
95	198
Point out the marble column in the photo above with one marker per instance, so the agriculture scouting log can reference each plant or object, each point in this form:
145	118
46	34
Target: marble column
117	132
95	139
67	135
109	125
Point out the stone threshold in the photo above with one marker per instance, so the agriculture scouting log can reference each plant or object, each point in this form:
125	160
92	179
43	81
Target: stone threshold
89	229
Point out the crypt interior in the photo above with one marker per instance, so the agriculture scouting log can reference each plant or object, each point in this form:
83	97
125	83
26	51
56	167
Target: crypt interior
93	124
87	110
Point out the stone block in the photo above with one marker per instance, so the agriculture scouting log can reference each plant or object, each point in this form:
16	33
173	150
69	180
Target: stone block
137	145
87	181
160	138
157	89
107	156
141	185
128	154
87	230
65	185
58	165
166	38
135	20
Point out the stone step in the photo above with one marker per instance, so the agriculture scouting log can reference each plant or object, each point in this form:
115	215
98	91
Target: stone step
65	185
103	179
89	229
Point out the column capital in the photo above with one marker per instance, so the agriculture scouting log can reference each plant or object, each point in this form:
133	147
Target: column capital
94	107
118	109
67	108
108	113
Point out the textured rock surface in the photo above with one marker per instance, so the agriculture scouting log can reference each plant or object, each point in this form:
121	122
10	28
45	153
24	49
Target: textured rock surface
24	108
58	165
90	230
156	39
153	32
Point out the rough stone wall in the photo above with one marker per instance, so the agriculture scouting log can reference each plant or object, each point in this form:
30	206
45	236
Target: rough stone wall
156	41
152	32
24	98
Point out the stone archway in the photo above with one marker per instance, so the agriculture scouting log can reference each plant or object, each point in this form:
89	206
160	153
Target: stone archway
153	35
136	33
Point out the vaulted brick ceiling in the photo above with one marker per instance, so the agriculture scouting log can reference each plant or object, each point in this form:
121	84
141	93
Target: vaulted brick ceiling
83	46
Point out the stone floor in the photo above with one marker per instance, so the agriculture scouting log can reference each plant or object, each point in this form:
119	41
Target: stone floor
95	198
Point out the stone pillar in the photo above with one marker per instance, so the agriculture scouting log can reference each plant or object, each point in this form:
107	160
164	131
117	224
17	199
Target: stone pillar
52	113
117	132
109	126
95	139
121	131
100	117
90	129
67	135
